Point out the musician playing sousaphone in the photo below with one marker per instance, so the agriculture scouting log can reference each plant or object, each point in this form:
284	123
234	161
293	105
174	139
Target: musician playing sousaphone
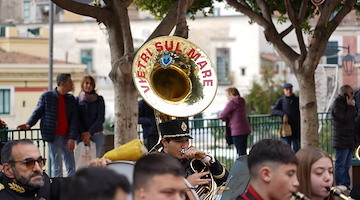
175	140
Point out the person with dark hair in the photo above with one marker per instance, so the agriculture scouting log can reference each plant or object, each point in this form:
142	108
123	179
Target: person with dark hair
23	176
59	117
343	113
287	107
94	183
175	140
91	114
315	173
158	176
148	124
234	114
272	165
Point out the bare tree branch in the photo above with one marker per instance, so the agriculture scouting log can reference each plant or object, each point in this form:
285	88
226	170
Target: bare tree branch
101	14
265	11
107	2
303	9
294	20
270	31
182	30
121	9
347	6
244	8
286	31
326	9
169	22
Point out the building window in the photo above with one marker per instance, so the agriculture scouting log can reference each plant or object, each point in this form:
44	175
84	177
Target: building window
222	65
332	47
26	9
242	71
5	102
87	58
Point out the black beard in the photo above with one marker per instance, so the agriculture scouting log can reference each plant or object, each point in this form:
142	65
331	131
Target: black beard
26	181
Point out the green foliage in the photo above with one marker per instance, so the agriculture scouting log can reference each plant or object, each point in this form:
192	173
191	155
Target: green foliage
277	7
109	124
263	94
159	8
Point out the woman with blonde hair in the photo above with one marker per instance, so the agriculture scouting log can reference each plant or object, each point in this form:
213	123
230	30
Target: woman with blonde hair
315	173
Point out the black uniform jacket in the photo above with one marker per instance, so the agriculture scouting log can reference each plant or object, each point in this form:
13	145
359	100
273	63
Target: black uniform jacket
218	171
10	190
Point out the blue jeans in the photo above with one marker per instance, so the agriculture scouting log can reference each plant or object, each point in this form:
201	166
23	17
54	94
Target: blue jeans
99	140
58	151
342	165
240	142
292	140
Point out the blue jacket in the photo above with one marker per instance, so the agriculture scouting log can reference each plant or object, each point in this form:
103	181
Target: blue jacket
147	119
47	110
91	115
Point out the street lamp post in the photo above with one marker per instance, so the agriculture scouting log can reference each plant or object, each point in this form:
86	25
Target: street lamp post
347	60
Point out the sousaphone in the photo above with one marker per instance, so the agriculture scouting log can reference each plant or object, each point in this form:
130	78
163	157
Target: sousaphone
174	77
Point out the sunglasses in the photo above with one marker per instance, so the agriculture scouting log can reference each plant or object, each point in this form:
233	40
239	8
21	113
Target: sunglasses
30	162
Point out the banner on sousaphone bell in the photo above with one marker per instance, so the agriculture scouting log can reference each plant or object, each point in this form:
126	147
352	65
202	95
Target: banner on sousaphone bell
174	76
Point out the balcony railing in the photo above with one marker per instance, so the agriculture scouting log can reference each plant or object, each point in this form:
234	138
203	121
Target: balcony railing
208	134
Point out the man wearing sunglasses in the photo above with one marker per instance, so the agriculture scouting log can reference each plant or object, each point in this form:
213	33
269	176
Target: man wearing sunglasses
23	176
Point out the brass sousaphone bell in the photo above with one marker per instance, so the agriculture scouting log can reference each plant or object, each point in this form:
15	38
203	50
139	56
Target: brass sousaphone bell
174	77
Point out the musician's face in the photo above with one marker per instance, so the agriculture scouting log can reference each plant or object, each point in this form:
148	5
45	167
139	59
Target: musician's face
282	181
174	147
322	176
164	187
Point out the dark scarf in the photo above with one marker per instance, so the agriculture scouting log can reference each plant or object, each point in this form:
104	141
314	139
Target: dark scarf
88	97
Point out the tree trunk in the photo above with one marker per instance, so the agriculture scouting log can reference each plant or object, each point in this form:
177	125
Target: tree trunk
126	109
308	108
125	94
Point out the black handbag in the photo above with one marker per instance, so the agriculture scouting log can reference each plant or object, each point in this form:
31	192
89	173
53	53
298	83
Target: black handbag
228	137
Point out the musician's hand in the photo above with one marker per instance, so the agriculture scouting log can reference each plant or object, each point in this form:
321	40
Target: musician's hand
99	162
194	153
195	179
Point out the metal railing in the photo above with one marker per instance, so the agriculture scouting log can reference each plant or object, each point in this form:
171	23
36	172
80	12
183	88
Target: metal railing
208	135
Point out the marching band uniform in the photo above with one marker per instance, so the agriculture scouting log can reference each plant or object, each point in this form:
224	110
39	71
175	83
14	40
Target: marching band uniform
250	194
10	190
219	173
178	129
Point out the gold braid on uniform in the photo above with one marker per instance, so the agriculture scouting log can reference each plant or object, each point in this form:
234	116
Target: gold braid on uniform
16	187
220	175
